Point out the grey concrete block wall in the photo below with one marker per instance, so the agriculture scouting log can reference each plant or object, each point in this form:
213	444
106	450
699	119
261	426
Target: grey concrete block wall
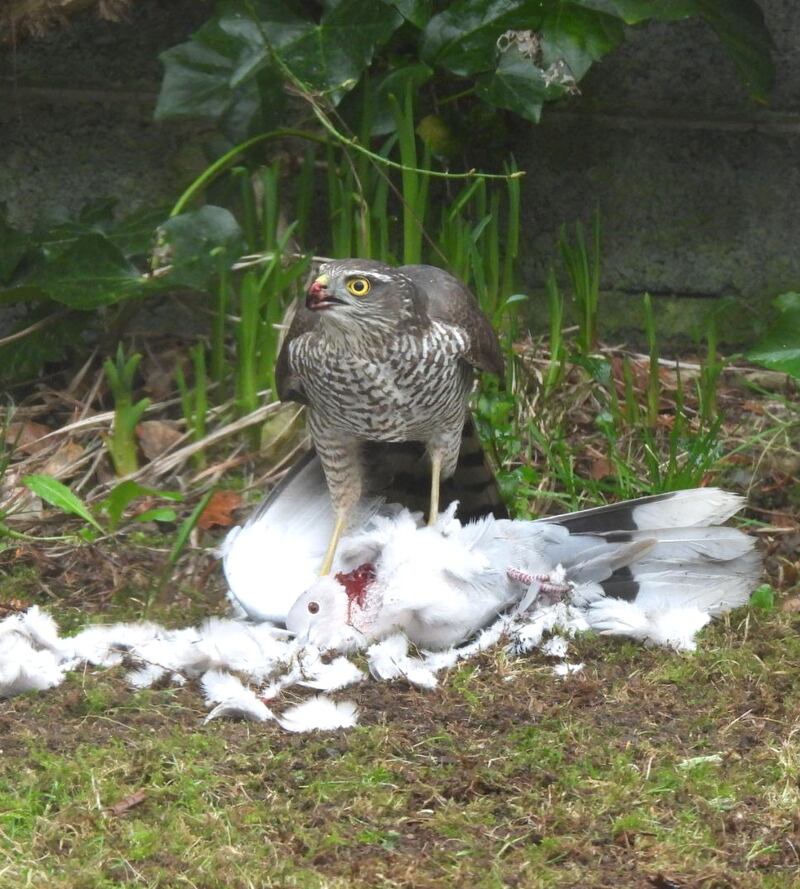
76	113
696	184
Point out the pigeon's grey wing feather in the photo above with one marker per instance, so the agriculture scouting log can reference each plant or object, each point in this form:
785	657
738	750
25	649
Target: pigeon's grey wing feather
447	300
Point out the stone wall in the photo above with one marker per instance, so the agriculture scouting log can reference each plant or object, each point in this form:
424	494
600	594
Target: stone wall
697	186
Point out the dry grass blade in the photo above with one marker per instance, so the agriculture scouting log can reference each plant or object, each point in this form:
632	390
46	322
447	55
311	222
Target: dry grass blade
169	462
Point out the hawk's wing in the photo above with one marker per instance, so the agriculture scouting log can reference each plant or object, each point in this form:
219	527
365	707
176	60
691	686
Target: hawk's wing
450	302
288	384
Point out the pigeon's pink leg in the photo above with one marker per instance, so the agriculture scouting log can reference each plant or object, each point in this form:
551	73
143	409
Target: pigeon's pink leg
545	581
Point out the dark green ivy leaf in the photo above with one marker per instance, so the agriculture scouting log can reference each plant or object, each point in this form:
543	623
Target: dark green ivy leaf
463	38
780	348
517	85
13	247
327	57
418	12
200	243
740	26
577	37
90	273
200	81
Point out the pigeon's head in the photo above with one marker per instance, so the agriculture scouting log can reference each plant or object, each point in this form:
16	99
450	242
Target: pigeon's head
319	615
335	611
362	294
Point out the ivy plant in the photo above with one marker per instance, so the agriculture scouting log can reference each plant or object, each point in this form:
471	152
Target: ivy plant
510	54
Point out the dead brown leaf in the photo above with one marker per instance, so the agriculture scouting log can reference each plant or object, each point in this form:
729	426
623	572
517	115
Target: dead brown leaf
63	463
156	436
27	436
219	510
13	606
124	805
600	467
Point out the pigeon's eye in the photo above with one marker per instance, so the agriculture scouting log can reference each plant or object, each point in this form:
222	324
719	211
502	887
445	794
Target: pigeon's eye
358	286
313	607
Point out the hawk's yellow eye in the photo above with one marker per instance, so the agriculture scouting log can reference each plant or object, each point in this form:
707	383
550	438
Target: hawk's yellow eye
358	286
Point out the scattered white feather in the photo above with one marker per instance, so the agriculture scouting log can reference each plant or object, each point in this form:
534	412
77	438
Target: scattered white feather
41	629
677	628
233	645
566	669
528	635
389	660
24	668
292	676
146	676
319	714
339	673
674	628
107	645
232	698
555	646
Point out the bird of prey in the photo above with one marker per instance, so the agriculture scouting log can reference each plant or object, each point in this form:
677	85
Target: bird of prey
384	355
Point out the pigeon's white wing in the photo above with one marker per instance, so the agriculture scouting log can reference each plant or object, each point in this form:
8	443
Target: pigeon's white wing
276	555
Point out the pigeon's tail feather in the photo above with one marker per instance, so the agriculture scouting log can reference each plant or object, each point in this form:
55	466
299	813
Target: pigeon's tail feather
659	552
698	507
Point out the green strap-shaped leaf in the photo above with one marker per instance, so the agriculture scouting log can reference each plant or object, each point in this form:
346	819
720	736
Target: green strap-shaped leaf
59	495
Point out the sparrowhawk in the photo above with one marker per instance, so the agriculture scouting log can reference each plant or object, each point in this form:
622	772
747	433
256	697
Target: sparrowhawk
383	354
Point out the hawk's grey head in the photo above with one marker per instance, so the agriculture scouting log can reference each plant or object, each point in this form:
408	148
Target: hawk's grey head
362	294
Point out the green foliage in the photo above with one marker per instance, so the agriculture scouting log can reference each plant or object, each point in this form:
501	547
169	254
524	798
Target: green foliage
511	55
186	527
111	508
122	443
583	267
82	264
126	492
63	271
194	402
59	495
763	598
780	348
199	244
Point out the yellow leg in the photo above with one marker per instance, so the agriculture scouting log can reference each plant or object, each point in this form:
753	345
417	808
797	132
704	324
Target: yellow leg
436	471
327	564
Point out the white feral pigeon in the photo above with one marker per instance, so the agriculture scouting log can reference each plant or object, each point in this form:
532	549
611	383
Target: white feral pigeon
654	568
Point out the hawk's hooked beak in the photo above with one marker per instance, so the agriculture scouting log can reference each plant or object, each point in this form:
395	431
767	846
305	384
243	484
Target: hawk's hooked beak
318	297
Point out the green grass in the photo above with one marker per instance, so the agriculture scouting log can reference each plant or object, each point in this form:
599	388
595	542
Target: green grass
648	763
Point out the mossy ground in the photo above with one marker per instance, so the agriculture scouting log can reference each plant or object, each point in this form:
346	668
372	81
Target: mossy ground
648	768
